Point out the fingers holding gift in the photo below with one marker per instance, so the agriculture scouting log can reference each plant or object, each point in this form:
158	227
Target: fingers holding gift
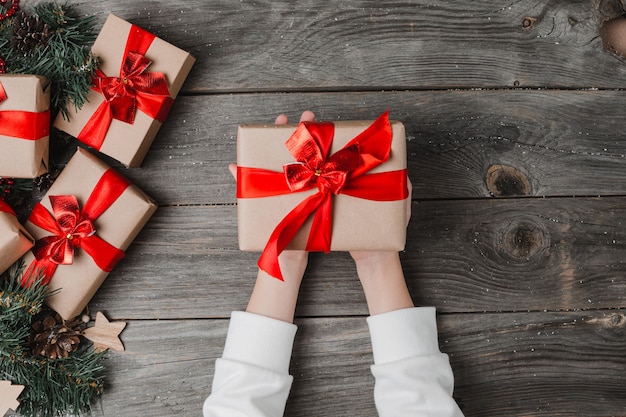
307	116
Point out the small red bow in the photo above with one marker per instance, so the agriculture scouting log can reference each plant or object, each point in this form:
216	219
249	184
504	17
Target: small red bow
313	169
70	229
121	92
134	89
73	228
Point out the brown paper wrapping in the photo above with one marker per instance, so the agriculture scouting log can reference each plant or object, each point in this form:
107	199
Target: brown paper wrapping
118	225
125	142
358	224
15	241
20	158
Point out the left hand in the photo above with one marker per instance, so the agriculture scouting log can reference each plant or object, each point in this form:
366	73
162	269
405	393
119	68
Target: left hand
271	297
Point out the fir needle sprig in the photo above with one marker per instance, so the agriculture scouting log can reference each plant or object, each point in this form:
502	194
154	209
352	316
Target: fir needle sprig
54	41
54	388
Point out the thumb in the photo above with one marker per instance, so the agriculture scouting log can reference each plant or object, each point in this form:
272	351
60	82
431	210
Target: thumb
233	170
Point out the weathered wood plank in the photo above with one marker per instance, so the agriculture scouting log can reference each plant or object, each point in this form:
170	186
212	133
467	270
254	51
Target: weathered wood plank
476	255
505	365
527	254
363	44
552	364
563	143
500	270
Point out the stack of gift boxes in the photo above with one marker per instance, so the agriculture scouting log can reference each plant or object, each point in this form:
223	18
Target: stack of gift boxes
80	229
314	186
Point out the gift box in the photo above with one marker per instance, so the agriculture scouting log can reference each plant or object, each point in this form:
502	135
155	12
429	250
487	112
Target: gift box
321	186
15	241
24	125
82	226
139	77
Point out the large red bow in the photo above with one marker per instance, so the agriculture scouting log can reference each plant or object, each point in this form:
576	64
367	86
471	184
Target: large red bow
121	92
134	89
23	124
73	228
70	229
343	172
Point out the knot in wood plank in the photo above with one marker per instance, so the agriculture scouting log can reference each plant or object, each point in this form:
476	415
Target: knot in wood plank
610	324
618	320
507	181
528	21
524	239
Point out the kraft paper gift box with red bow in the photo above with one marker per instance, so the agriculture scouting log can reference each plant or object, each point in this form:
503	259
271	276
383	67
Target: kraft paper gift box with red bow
15	241
139	77
82	226
321	186
24	125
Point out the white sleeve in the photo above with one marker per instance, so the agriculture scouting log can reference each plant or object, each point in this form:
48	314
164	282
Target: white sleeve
252	377
413	378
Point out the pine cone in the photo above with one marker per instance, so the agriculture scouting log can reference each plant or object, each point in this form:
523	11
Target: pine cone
28	32
43	182
54	337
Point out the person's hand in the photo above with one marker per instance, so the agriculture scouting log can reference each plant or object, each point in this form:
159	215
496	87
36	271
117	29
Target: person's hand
271	297
290	260
381	276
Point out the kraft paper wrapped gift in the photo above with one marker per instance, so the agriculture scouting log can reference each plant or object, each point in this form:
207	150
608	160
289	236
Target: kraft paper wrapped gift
24	125
133	63
374	221
15	241
116	211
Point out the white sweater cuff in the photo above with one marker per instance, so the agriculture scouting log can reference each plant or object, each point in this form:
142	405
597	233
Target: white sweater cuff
402	334
260	341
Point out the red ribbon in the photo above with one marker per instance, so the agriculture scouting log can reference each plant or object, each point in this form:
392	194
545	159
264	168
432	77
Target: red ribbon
5	208
23	124
73	228
134	89
343	172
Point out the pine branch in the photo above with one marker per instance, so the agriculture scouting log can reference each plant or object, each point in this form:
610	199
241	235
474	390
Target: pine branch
18	304
51	40
54	388
62	52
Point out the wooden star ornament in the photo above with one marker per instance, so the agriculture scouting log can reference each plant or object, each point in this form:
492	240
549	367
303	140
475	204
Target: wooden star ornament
8	396
105	334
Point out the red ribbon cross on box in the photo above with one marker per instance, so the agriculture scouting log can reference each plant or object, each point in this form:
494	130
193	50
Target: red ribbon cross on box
23	124
134	89
73	228
344	172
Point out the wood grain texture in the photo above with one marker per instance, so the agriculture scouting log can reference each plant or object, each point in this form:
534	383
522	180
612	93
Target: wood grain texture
505	364
517	255
537	364
364	44
514	100
565	143
476	255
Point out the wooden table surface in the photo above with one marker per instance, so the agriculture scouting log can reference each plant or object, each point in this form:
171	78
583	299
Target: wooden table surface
516	151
